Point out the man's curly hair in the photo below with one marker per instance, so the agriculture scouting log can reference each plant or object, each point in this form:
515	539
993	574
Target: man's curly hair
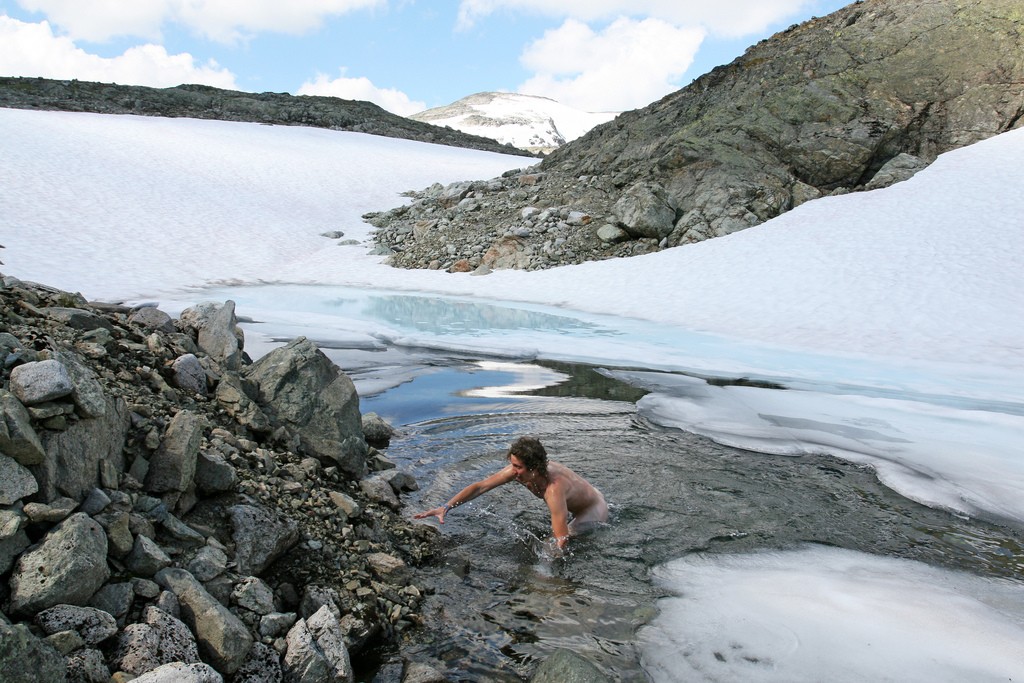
531	453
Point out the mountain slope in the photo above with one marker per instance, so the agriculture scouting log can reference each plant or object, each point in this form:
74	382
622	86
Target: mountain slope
881	85
535	124
206	102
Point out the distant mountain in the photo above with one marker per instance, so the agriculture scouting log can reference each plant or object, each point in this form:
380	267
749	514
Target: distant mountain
535	124
852	101
206	102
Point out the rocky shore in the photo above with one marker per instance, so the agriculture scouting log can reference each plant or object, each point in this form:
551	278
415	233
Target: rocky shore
172	511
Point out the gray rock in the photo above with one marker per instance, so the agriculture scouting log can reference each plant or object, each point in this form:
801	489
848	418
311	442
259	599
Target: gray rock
345	503
301	388
74	457
41	381
16	482
254	595
77	318
146	558
377	489
88	666
95	502
214	474
13	539
901	167
262	665
119	536
158	639
612	234
217	332
400	481
231	394
176	672
376	430
56	510
25	658
223	638
646	210
209	563
115	599
565	666
87	392
388	567
67	567
419	672
316	651
276	624
260	537
189	374
93	625
152	318
17	437
173	466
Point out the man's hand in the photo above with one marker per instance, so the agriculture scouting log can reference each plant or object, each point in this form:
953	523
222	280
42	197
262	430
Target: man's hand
438	512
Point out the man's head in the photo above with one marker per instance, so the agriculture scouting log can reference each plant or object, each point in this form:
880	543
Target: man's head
531	453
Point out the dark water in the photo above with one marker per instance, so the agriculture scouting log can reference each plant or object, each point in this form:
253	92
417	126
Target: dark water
501	602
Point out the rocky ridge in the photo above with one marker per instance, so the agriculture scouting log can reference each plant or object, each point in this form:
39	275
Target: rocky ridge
172	511
856	100
207	102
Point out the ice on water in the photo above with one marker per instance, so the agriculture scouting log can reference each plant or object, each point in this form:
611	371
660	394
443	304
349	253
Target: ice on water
894	319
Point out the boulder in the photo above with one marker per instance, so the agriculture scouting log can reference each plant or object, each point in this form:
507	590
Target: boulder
565	666
262	665
67	567
901	167
189	375
214	474
231	394
158	639
88	394
13	539
217	332
176	672
17	437
254	595
115	599
376	430
223	639
377	489
260	537
153	319
302	389
77	318
173	466
93	625
25	658
87	666
316	651
16	482
646	210
41	381
146	557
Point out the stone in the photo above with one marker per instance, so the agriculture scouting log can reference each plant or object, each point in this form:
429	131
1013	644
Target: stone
189	375
260	537
88	666
41	381
276	624
419	672
16	482
146	558
88	394
300	387
209	563
232	395
345	503
67	567
217	332
13	539
901	167
612	234
262	665
400	481
223	639
377	489
119	536
646	210
376	430
93	625
565	666
17	437
176	672
152	318
160	638
254	595
173	466
214	474
388	567
115	599
24	658
95	502
77	318
316	651
50	513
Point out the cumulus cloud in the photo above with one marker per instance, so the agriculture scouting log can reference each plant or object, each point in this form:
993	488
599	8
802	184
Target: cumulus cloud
395	101
727	18
28	49
220	20
627	65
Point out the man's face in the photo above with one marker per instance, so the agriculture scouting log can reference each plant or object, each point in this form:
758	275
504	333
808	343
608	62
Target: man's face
522	474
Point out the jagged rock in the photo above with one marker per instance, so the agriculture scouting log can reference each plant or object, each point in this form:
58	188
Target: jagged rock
260	537
315	597
77	318
158	639
565	666
400	481
73	457
56	510
232	395
301	388
262	665
95	502
189	374
316	650
276	624
209	563
214	474
25	658
388	567
146	558
254	595
419	672
646	210
901	167
67	567
377	489
17	437
217	332
87	666
119	536
115	599
93	625
223	638
173	466
87	392
176	672
16	482
13	539
345	503
41	381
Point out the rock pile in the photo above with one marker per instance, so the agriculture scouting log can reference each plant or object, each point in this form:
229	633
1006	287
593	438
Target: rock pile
172	511
859	99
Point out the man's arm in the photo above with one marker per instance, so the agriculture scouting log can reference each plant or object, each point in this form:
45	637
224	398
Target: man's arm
555	498
502	476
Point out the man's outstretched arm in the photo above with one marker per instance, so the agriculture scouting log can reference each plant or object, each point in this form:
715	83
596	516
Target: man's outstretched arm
502	476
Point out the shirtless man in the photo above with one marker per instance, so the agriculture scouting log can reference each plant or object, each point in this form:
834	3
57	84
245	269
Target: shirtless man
565	492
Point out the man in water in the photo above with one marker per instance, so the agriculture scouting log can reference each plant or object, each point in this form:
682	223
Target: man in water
565	492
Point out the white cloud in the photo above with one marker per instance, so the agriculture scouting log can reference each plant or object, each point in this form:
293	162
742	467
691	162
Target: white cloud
33	50
627	65
395	101
221	20
729	18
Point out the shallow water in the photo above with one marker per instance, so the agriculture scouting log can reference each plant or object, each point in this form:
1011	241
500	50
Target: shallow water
501	602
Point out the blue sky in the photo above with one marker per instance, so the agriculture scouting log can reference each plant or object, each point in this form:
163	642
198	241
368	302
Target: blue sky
405	55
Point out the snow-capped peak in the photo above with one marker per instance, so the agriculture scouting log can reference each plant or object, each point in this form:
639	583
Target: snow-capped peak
537	124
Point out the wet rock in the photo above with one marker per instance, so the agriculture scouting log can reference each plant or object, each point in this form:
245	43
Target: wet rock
93	625
68	567
565	666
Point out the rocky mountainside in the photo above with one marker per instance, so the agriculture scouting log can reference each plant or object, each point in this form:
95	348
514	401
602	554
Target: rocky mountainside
858	99
535	124
206	102
172	511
